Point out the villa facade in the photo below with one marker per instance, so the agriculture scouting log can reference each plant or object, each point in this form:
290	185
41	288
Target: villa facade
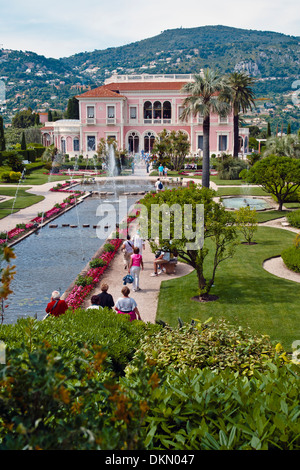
134	110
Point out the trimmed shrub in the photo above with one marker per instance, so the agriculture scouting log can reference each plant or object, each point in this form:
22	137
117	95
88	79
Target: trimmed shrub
108	247
294	218
291	256
97	263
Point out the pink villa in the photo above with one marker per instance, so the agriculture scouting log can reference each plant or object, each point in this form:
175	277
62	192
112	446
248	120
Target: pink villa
134	109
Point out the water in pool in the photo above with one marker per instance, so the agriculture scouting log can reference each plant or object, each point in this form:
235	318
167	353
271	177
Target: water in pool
52	258
237	202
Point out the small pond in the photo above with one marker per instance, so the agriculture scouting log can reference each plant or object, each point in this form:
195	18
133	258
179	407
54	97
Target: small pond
252	202
51	258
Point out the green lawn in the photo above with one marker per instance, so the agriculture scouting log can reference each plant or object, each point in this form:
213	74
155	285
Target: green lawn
248	295
241	191
38	177
23	200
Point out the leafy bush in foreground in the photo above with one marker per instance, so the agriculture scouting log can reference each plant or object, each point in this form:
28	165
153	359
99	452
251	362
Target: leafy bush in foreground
216	345
205	410
89	327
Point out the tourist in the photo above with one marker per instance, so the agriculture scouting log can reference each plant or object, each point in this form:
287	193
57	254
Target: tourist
163	258
94	303
158	185
127	249
127	305
138	242
165	171
160	170
105	299
135	266
56	306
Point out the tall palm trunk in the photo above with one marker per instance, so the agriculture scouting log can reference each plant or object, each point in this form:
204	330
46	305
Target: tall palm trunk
206	157
236	143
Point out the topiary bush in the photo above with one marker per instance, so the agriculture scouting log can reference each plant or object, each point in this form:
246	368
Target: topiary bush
294	218
291	256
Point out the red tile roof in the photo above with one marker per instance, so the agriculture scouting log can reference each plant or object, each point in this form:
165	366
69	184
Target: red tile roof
115	89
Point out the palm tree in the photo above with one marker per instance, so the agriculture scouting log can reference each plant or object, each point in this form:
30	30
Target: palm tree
204	99
241	98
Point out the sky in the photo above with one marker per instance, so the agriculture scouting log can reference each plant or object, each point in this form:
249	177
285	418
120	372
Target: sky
60	28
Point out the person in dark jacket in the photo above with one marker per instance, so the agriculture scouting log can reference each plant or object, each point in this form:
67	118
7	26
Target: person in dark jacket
105	299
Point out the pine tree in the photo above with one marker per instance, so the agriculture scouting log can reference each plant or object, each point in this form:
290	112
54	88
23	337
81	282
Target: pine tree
2	138
23	142
288	128
50	118
269	130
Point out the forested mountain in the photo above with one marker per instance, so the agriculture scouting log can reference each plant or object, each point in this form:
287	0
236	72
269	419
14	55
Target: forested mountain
39	82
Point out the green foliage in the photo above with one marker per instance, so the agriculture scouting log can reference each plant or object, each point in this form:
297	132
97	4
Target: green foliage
48	403
229	168
171	148
294	218
83	280
24	119
291	256
277	175
2	137
108	247
67	333
13	159
97	263
191	241
215	345
11	176
246	220
206	410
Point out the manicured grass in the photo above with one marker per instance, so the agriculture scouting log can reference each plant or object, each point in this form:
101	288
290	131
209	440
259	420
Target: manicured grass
241	191
219	182
24	199
248	295
38	177
265	216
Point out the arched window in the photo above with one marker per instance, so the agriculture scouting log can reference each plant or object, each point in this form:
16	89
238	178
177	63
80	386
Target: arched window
157	110
167	110
133	142
76	145
148	110
63	146
149	139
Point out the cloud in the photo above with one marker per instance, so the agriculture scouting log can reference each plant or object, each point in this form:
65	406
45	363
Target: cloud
62	28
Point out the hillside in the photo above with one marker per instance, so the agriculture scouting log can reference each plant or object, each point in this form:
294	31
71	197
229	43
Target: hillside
41	83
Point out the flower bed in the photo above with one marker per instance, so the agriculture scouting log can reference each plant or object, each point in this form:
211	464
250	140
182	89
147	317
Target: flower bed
76	297
22	229
79	293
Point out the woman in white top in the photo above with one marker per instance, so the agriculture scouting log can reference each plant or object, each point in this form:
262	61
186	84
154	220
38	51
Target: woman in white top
127	306
127	249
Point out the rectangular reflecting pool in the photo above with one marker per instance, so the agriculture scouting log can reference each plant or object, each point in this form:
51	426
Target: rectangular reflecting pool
51	258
